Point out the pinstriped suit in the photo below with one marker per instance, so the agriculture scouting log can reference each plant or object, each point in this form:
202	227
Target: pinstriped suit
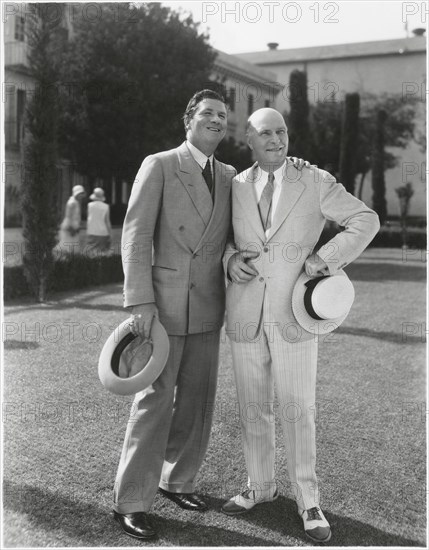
268	345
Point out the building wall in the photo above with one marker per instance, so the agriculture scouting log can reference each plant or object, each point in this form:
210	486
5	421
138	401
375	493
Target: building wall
331	79
16	91
242	104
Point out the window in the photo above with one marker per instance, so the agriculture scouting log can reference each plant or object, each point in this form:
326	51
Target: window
250	100
20	28
231	99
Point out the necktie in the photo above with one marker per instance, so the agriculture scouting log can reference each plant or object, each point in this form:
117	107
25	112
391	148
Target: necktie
265	202
207	174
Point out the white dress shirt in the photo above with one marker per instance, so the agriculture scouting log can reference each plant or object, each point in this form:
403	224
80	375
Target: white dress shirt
200	158
260	182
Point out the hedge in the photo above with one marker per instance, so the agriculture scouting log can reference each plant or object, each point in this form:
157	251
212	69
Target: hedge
71	272
387	237
80	271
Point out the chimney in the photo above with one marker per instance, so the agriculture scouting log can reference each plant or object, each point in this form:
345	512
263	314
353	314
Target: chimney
272	45
419	32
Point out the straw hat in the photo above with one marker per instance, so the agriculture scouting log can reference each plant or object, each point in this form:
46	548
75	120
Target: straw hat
129	364
320	305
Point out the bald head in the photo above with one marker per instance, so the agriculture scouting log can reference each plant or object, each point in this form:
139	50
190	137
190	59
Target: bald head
267	138
265	114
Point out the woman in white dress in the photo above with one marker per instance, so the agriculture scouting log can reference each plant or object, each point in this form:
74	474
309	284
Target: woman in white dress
70	226
99	229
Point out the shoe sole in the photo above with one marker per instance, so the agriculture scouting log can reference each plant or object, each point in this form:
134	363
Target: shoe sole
328	538
154	536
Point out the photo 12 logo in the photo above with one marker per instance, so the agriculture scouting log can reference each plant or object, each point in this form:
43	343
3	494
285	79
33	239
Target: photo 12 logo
269	12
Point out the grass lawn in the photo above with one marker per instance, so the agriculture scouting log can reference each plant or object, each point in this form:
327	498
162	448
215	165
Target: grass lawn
63	432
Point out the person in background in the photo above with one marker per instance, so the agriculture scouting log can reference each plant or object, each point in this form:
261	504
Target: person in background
99	229
70	226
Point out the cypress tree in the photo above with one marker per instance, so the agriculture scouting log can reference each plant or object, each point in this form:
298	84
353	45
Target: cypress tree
39	185
378	181
349	141
297	121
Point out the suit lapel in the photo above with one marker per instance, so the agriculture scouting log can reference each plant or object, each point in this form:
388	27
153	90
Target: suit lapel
190	175
245	194
291	190
222	193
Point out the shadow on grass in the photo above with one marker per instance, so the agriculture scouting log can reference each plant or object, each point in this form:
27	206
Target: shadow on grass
93	526
282	517
395	337
19	344
382	272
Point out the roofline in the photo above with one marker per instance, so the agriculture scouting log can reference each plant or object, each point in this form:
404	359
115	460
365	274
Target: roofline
333	51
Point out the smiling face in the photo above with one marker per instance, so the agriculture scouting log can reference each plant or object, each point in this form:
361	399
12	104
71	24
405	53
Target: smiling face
268	138
207	127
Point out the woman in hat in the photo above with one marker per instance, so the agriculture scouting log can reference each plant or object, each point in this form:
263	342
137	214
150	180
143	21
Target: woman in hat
70	227
99	229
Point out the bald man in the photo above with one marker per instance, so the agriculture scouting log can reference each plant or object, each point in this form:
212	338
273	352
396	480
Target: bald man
277	209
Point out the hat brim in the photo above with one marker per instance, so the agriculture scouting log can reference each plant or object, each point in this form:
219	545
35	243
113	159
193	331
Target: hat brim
112	349
305	320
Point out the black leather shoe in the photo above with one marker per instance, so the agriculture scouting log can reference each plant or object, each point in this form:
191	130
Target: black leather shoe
136	525
188	501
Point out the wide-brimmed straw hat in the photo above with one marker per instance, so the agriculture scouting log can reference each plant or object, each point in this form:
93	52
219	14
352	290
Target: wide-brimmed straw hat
321	304
128	364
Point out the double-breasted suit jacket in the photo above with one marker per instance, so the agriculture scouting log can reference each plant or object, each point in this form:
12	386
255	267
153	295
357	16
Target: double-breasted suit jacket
308	198
174	239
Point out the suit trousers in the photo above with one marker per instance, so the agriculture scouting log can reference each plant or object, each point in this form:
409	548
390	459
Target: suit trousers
258	364
169	426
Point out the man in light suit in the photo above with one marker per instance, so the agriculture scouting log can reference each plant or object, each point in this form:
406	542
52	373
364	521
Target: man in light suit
278	215
180	207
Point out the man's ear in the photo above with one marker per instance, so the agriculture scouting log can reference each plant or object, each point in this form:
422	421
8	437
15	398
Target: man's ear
249	143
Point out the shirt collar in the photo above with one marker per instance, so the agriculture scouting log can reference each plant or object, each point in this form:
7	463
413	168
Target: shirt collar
262	175
199	157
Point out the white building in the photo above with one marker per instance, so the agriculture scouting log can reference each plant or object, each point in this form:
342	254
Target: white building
385	66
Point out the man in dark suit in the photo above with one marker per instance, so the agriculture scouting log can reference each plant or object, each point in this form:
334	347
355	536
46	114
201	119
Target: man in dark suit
179	208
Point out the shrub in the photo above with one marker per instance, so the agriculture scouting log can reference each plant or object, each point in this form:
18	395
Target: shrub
69	272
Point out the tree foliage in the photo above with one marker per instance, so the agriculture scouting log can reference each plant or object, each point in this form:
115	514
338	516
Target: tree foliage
130	78
238	155
40	181
325	122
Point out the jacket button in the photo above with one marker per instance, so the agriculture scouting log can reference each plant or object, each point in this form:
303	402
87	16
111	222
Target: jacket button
191	286
261	279
266	249
181	228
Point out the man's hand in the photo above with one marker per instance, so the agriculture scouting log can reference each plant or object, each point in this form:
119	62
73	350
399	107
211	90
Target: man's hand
240	268
315	266
143	315
299	164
